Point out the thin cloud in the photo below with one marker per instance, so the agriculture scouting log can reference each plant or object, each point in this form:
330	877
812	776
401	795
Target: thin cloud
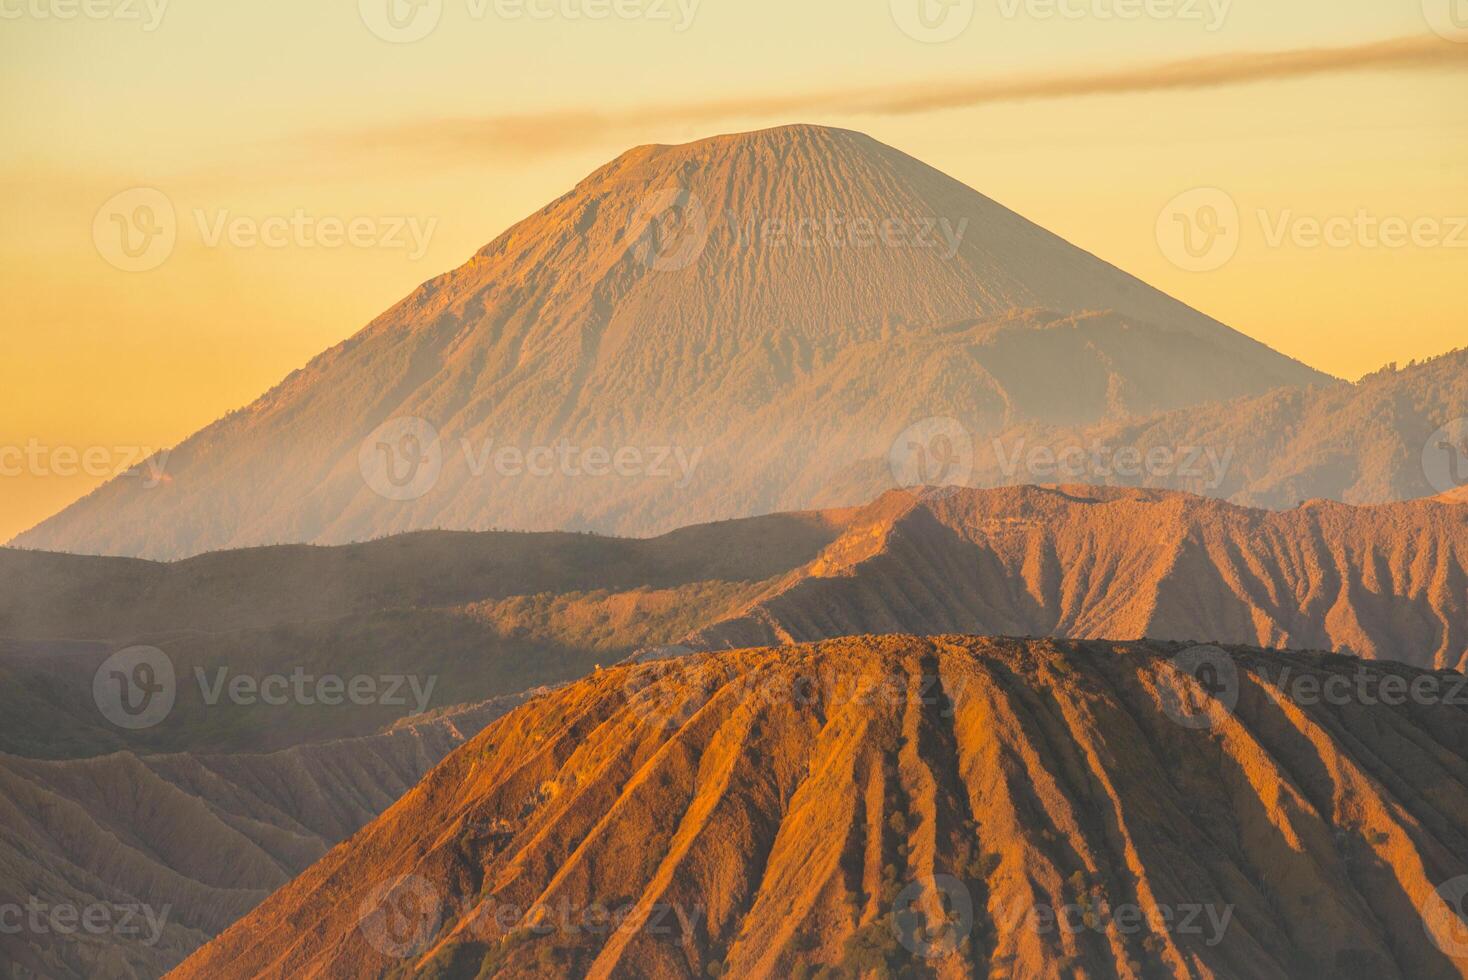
555	131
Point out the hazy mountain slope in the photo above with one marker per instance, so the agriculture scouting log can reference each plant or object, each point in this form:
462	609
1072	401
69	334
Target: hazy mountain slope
1387	582
1358	443
465	617
197	839
52	596
814	294
807	825
483	616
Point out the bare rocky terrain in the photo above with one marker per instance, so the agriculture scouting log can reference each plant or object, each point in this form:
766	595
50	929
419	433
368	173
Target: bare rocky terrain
906	806
176	847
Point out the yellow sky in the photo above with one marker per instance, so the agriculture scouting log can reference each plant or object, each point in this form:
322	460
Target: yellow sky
278	108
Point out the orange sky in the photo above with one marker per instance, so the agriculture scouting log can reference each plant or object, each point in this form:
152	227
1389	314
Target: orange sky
317	172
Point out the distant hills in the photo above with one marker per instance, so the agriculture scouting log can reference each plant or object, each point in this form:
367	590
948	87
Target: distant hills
195	840
484	615
1385	582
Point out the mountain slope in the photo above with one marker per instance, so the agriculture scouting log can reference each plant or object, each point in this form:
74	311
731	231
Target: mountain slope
197	840
1387	582
486	615
464	617
756	814
1371	442
747	313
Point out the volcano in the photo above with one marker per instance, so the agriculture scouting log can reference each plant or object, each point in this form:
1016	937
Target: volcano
893	806
694	332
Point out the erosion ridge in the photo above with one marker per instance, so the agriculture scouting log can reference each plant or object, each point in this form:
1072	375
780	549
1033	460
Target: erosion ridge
802	809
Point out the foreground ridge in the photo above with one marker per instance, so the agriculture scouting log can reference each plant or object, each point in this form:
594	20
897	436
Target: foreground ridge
948	806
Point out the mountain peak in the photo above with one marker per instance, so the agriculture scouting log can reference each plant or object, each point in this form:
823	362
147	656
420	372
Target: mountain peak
778	306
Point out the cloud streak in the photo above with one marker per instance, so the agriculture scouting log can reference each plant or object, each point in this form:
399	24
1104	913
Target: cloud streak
555	131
